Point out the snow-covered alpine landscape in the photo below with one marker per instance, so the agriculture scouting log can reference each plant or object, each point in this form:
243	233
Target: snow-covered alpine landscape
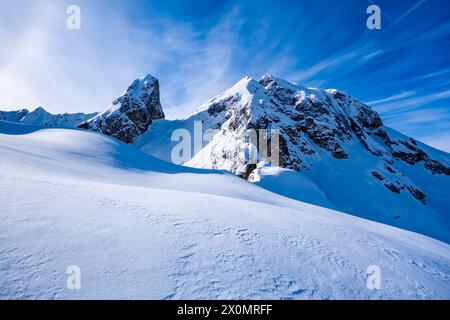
224	150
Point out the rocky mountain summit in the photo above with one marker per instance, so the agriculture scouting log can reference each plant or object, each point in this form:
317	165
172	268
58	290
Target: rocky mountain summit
310	121
131	113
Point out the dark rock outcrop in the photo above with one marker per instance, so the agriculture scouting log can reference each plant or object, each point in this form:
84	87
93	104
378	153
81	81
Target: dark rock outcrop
130	114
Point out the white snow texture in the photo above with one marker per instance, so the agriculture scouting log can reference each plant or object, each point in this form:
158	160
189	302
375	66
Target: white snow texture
141	228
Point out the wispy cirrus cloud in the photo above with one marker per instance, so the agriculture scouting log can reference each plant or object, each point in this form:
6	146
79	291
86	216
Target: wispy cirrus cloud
403	104
407	12
195	65
45	64
323	65
373	54
434	74
423	116
427	114
199	48
391	98
439	141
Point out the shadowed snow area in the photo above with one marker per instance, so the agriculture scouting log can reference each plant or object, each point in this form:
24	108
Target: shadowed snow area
142	228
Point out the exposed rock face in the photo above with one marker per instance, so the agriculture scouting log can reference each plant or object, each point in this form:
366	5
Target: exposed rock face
310	121
131	113
40	117
413	154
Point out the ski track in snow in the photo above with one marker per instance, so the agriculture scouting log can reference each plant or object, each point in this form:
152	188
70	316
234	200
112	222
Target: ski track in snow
147	243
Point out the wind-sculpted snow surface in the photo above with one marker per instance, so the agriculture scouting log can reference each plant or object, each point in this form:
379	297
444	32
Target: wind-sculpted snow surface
138	227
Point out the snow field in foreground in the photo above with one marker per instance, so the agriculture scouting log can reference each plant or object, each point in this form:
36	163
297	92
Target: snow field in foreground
140	228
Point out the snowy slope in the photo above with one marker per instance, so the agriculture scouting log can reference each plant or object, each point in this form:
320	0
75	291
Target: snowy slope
289	183
141	228
40	117
335	145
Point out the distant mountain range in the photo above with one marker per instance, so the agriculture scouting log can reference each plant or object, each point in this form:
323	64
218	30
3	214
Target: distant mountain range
41	117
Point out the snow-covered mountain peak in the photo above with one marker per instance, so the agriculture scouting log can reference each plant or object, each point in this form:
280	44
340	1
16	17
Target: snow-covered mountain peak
327	117
40	110
137	88
131	113
338	142
269	81
240	94
331	101
246	88
148	78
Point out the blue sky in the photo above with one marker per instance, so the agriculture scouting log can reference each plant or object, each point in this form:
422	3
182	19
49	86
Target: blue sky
200	48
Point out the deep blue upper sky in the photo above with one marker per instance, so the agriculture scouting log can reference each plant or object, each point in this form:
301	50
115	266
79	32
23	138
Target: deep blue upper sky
199	48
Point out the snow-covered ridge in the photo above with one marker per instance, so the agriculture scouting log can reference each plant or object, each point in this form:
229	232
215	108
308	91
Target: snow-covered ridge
140	228
41	117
